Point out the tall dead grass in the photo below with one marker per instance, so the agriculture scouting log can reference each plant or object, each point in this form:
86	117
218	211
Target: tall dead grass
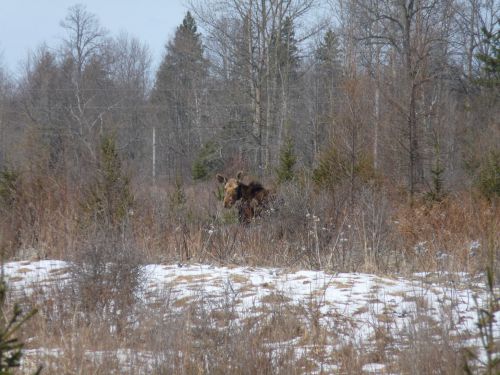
379	232
201	334
96	323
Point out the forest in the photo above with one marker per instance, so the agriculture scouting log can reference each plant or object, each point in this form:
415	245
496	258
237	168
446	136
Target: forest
377	124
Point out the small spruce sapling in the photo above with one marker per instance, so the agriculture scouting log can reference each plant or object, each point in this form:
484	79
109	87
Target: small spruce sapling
287	162
11	346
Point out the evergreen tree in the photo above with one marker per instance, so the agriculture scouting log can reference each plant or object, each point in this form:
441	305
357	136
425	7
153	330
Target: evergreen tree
437	192
283	84
328	55
11	346
327	76
110	198
178	94
184	62
491	60
207	161
287	49
284	54
489	175
287	162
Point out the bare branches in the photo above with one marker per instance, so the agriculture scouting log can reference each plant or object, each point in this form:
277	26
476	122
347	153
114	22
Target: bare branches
85	35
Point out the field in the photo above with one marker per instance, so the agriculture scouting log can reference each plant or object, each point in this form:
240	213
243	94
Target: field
280	187
237	298
202	318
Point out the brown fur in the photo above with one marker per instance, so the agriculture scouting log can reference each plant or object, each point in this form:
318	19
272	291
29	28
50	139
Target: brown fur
252	197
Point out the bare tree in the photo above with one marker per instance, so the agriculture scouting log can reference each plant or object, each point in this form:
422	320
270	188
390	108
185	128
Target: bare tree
260	22
88	57
130	72
85	37
408	38
4	89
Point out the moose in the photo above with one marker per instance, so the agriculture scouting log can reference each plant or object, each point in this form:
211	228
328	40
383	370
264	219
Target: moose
252	197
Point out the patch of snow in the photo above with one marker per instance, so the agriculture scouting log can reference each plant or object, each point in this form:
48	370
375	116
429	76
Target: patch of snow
374	368
358	301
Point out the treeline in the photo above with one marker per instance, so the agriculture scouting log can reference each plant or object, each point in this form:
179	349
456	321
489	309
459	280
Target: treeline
406	90
349	93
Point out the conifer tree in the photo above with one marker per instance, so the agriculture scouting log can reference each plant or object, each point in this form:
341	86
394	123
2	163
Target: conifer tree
11	346
491	60
287	162
110	198
207	161
178	93
287	49
328	55
327	77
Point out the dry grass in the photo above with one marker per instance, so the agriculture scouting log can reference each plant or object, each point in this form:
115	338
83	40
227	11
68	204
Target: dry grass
380	233
201	334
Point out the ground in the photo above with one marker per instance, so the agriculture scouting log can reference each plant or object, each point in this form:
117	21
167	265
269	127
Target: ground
351	308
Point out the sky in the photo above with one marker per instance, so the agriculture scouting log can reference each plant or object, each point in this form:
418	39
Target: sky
26	24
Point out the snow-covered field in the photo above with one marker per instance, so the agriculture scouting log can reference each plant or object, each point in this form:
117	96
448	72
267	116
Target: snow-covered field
355	303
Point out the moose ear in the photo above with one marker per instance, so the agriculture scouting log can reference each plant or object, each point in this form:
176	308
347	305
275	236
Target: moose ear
221	178
239	175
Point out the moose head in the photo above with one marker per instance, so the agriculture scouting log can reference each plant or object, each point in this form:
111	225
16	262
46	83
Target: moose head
232	189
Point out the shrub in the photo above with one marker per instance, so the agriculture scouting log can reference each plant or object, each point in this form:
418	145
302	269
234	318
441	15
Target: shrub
287	162
207	162
8	187
107	272
489	175
333	168
109	198
437	192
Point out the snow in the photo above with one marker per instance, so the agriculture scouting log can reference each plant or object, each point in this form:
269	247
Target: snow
374	368
361	301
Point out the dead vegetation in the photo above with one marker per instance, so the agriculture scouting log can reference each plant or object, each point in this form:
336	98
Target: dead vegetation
384	158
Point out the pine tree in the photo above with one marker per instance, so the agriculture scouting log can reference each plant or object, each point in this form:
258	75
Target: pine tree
207	161
327	76
328	54
178	196
331	169
184	59
437	192
284	53
11	346
109	198
489	175
178	94
491	61
287	48
287	162
9	180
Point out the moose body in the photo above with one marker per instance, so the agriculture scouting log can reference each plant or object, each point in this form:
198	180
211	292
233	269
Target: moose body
252	197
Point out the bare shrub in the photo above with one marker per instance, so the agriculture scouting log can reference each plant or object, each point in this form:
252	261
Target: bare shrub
208	337
451	235
374	229
106	270
428	348
36	215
